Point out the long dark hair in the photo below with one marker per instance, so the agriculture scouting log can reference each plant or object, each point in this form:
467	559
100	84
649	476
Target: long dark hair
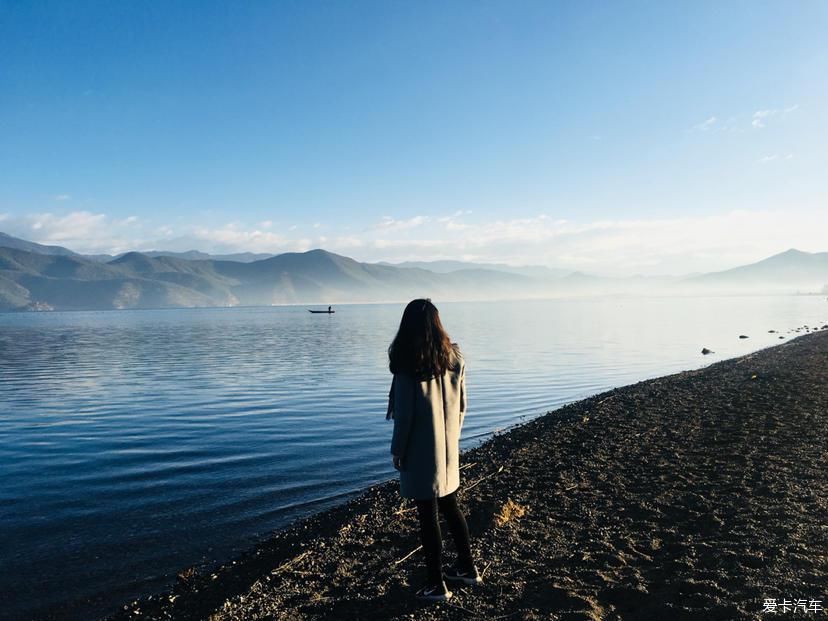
421	348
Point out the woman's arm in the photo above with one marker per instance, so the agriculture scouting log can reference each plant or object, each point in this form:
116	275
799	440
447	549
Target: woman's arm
403	414
390	413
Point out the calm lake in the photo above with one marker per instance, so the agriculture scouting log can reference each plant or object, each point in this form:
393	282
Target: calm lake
134	444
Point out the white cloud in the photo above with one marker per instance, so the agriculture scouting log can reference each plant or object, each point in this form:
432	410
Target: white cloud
705	125
233	236
760	116
451	222
619	247
74	225
774	157
609	246
82	231
389	223
758	120
715	124
407	244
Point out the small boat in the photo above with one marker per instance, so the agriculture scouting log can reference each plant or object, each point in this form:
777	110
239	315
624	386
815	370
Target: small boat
326	312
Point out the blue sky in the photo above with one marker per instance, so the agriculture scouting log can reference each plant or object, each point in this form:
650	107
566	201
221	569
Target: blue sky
614	137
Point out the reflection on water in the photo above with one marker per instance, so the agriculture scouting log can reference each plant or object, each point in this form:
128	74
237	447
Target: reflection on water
136	443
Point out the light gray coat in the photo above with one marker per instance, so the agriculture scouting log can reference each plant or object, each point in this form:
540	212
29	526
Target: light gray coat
428	416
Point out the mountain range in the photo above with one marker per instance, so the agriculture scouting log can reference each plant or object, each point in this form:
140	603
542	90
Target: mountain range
445	267
792	268
38	277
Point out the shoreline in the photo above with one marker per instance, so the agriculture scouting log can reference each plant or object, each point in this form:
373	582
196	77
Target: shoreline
403	301
602	525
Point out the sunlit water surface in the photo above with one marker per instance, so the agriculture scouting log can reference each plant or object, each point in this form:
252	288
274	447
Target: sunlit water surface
134	444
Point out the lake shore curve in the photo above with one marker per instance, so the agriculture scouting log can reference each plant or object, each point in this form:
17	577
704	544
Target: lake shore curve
695	495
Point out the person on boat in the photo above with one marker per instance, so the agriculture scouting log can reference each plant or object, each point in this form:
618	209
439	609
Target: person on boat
427	403
329	309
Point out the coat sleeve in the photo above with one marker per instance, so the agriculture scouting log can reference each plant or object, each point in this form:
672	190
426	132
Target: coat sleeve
403	413
390	413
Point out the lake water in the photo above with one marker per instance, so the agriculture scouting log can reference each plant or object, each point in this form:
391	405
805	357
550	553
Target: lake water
134	444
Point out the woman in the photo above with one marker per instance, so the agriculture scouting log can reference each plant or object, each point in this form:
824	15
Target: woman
428	403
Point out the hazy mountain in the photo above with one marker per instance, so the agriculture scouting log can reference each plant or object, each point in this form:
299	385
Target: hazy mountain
7	241
323	276
12	295
30	280
445	267
102	258
46	277
190	255
195	276
241	257
135	280
787	271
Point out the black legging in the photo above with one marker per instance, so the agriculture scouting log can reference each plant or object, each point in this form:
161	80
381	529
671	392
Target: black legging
432	537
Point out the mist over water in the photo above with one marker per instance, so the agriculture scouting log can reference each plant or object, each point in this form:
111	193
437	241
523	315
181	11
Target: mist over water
134	444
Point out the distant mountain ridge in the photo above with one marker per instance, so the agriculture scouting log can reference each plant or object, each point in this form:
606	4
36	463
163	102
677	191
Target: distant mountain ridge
38	277
190	255
35	281
445	267
792	267
7	241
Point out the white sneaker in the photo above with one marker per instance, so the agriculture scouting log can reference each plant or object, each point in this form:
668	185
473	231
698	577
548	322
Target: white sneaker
466	577
434	592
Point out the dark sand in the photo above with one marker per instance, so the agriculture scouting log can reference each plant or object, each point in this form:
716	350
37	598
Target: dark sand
693	496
